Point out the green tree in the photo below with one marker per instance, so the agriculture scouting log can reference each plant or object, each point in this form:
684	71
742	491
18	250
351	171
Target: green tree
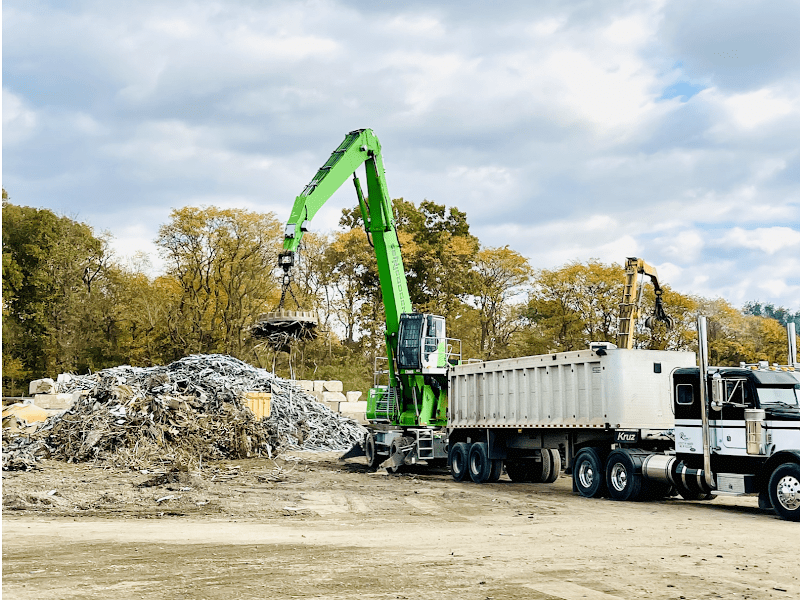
53	269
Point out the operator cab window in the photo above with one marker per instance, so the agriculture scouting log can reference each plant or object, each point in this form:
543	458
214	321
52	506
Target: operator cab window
684	394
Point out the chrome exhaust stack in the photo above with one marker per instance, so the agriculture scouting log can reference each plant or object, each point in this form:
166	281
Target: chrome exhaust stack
702	353
792	337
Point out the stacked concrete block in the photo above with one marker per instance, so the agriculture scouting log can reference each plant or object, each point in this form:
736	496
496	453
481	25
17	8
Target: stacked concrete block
353	396
55	401
42	386
333	386
354	410
304	384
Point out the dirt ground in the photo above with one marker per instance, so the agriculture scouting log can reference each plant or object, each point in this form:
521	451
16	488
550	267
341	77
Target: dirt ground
309	526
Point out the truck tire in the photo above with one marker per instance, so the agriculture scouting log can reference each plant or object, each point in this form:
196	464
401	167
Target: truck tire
371	451
496	471
519	471
588	474
457	460
622	480
480	467
784	491
551	465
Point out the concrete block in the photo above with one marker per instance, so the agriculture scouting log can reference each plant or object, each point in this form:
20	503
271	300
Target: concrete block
334	397
42	386
356	416
55	401
353	396
319	385
333	405
304	384
319	396
353	407
333	386
64	378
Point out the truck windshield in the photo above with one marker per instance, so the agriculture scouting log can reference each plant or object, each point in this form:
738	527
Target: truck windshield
784	396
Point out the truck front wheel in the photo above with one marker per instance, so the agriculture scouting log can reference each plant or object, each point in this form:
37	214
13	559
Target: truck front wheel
784	491
588	473
457	460
623	482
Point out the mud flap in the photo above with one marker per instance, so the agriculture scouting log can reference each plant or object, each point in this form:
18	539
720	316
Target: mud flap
394	461
354	452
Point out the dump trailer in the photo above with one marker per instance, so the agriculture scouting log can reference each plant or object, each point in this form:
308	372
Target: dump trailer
631	424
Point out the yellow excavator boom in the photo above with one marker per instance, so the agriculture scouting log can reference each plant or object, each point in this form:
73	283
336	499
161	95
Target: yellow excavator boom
632	301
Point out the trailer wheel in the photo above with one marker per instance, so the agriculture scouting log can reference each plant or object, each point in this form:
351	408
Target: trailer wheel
519	471
457	460
370	451
551	465
496	470
480	467
588	473
623	482
784	491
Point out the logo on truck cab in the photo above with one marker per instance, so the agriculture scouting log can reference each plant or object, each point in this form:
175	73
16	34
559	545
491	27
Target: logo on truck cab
626	437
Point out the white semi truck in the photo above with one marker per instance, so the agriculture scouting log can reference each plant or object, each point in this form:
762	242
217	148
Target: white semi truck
632	424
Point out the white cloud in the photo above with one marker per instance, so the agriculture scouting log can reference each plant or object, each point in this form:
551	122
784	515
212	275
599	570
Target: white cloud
757	108
766	239
19	120
541	121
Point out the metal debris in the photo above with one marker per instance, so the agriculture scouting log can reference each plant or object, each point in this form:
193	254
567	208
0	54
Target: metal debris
181	414
281	327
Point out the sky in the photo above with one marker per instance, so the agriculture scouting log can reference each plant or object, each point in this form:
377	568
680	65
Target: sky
569	131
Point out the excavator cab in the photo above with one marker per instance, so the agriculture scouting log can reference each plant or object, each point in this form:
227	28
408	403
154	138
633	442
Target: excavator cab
422	345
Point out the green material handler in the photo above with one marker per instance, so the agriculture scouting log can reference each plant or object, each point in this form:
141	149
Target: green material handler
407	414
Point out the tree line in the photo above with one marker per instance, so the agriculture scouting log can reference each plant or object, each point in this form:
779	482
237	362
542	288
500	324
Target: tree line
70	306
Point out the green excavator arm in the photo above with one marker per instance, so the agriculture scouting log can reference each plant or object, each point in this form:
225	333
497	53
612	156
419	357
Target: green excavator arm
419	393
359	147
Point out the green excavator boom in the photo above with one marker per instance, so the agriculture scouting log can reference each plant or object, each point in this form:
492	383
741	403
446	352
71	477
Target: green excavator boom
416	394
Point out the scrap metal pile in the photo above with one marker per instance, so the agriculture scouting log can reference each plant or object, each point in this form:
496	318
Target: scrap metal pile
189	411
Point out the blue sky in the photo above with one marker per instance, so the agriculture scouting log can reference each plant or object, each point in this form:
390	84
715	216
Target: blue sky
667	130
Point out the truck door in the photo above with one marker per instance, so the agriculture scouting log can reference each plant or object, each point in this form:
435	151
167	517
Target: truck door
738	396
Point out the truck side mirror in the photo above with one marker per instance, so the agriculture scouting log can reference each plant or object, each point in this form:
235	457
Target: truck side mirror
717	393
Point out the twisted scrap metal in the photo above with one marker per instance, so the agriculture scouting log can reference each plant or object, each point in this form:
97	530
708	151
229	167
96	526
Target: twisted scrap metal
188	411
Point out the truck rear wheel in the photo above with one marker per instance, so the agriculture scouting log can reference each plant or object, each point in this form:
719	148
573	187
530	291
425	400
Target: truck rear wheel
480	467
588	473
623	482
784	491
551	465
519	471
457	460
496	471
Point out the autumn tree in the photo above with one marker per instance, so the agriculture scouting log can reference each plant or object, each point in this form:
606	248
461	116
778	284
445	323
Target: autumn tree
572	306
499	276
224	262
